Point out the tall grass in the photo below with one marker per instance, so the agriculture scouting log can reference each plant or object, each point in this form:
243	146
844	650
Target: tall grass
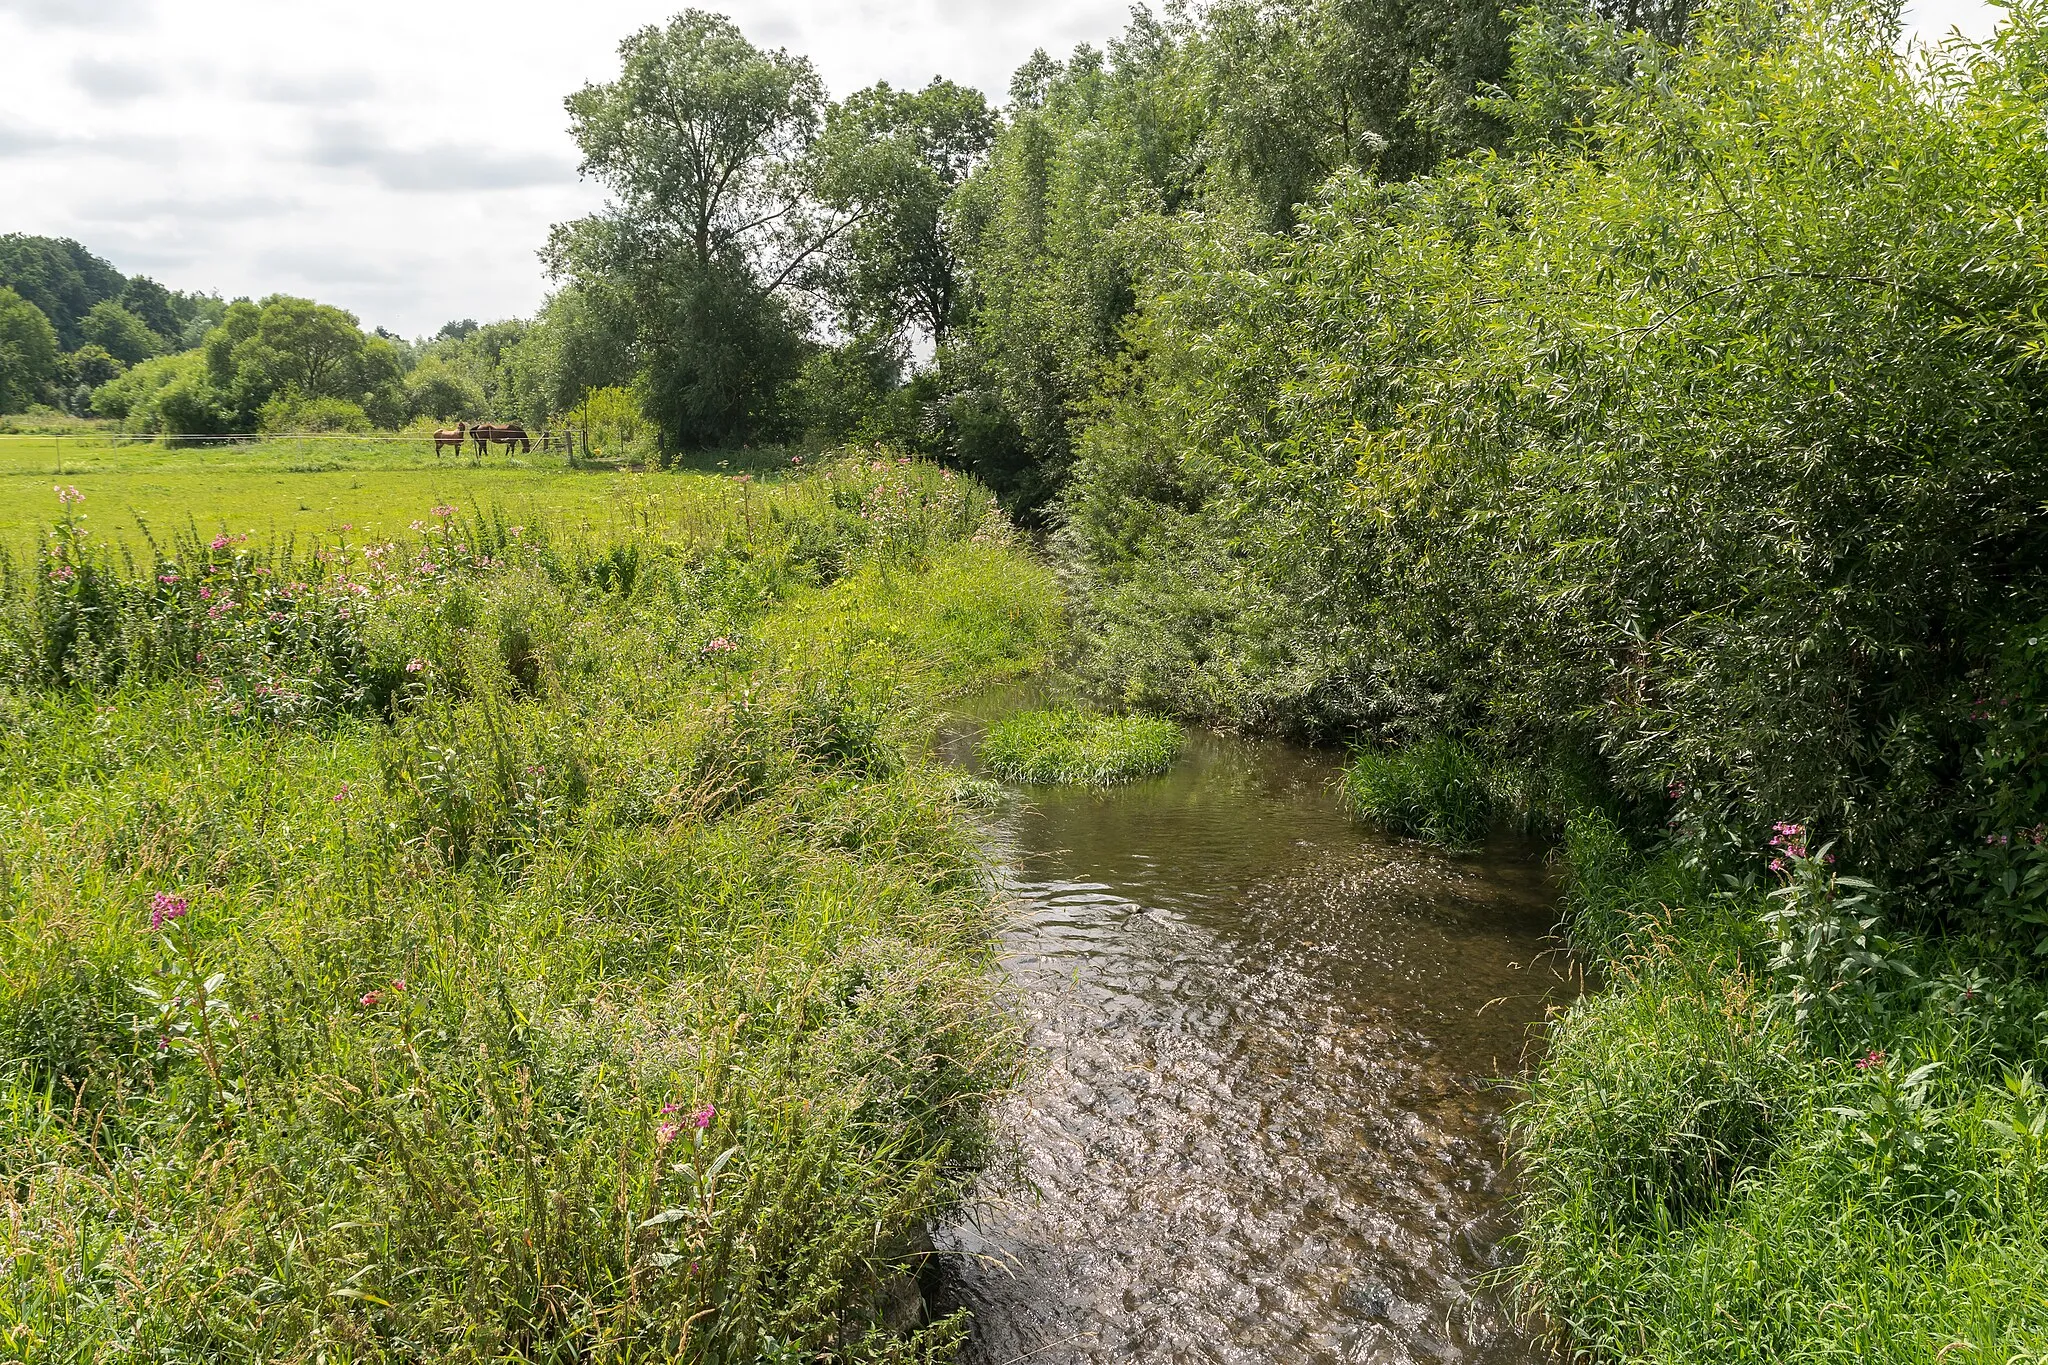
1711	1176
1077	748
579	963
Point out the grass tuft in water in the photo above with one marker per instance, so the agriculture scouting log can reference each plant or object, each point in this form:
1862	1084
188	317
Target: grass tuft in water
1076	748
1436	790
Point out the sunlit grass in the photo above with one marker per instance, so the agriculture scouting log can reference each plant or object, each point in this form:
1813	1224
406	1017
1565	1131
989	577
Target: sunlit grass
611	980
1077	748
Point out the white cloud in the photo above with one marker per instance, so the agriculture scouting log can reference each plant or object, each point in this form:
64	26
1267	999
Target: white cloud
405	158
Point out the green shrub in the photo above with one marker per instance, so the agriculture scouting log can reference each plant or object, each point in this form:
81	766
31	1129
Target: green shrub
1078	748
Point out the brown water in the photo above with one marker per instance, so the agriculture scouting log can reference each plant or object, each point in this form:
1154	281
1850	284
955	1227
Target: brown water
1265	1120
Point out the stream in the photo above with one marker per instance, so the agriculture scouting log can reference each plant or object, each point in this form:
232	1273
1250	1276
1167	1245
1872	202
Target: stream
1264	1118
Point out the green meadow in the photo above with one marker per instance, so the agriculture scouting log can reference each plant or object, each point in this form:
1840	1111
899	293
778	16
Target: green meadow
317	486
516	939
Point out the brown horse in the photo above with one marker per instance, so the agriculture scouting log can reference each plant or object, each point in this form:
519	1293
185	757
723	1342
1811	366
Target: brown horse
512	434
454	438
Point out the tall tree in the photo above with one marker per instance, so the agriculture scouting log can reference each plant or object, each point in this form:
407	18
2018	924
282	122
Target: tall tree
890	160
702	141
28	352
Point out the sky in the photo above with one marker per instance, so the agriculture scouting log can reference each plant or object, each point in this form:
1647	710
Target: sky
405	158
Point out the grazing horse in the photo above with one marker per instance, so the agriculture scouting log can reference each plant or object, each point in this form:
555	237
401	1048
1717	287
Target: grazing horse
454	438
512	434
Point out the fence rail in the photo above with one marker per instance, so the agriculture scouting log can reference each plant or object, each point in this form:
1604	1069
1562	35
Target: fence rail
545	438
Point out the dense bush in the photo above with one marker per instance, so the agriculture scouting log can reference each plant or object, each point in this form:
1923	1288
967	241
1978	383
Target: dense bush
1702	440
615	986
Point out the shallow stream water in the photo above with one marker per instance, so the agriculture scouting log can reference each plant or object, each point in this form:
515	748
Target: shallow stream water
1264	1121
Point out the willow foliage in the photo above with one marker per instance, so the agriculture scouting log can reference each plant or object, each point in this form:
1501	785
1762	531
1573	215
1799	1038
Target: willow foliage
1704	435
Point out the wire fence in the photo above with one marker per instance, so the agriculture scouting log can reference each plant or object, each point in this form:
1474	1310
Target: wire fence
545	438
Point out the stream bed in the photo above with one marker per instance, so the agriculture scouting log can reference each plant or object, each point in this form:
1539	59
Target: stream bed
1264	1120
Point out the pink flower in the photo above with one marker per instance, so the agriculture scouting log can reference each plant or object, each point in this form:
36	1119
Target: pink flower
1997	840
719	645
166	578
702	1118
1872	1058
666	1134
370	1000
444	511
671	1107
221	542
343	794
416	665
163	908
68	494
399	985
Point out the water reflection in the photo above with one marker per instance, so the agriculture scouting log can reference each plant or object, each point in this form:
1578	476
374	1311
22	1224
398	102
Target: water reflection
1261	1127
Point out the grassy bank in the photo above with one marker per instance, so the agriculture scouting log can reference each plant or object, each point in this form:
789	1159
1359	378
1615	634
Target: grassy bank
503	942
1777	1134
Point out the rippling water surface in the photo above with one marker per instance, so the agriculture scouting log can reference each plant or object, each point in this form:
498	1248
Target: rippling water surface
1263	1124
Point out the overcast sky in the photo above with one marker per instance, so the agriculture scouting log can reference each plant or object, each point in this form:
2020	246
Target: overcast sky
404	158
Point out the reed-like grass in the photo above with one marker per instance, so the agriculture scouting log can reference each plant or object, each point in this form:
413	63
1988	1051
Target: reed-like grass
1078	748
561	949
1437	790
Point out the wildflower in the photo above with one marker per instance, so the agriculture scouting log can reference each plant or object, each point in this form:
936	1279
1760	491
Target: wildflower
166	578
666	1134
67	494
743	478
221	541
1870	1059
1788	838
63	573
343	794
2038	835
671	1107
347	526
1998	840
702	1118
1676	791
205	592
416	666
370	1000
515	531
398	986
163	908
796	459
719	645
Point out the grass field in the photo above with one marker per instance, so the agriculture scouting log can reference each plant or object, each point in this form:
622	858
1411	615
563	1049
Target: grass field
312	486
553	946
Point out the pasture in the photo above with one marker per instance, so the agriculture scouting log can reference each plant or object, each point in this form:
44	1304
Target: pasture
316	487
532	943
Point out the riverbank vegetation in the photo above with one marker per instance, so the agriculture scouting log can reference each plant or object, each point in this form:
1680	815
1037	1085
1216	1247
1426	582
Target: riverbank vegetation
503	940
1079	748
1674	475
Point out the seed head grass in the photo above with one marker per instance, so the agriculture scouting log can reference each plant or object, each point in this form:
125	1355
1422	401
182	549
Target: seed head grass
1079	749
